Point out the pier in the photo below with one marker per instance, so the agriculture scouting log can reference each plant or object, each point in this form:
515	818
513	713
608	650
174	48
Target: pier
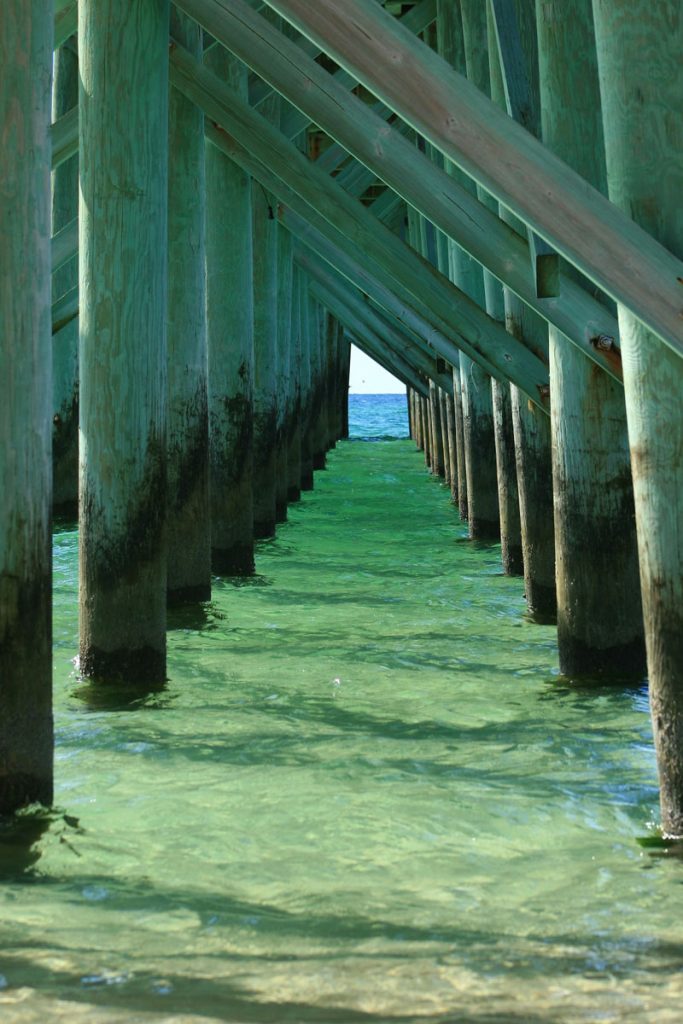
205	204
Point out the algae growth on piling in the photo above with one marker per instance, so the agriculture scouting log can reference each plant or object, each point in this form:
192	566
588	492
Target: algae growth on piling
355	800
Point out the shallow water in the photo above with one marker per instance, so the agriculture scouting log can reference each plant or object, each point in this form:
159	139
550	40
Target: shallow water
364	795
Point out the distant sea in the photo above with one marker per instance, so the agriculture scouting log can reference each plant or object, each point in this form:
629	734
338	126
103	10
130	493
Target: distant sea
378	417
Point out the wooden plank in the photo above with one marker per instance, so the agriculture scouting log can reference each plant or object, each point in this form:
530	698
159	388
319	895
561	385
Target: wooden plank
66	23
486	340
64	244
612	250
438	196
64	137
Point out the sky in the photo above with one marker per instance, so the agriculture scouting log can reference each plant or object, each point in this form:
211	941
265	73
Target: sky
367	378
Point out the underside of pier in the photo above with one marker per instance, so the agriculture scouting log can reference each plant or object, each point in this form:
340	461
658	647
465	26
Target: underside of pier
205	203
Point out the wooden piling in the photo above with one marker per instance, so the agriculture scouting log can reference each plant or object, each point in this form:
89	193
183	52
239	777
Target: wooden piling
438	464
641	82
265	361
229	277
123	52
283	310
513	59
64	279
306	386
25	399
595	536
534	477
189	513
460	443
294	430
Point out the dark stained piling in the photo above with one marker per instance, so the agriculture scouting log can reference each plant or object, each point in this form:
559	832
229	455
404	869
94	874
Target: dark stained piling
477	477
26	740
123	51
534	481
508	495
513	59
480	452
595	536
306	386
65	341
265	362
295	412
283	312
229	276
443	424
452	445
641	82
189	515
460	443
438	461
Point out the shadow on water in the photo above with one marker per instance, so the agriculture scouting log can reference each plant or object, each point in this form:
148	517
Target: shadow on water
21	835
197	617
220	999
119	697
561	687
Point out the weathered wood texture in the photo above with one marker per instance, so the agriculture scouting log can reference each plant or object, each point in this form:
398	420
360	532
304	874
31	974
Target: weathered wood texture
508	495
64	279
25	400
229	276
460	442
333	287
478	336
285	387
641	81
479	68
476	408
513	60
534	476
264	226
296	410
595	537
445	201
123	53
306	387
613	251
189	519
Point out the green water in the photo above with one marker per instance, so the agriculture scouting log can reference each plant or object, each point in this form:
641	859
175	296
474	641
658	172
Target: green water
363	796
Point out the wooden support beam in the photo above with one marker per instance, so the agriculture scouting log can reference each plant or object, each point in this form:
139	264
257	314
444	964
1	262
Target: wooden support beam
64	137
230	321
65	309
64	246
484	339
610	248
437	195
123	296
373	347
522	105
380	296
189	519
338	294
639	45
597	560
66	22
416	20
26	729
